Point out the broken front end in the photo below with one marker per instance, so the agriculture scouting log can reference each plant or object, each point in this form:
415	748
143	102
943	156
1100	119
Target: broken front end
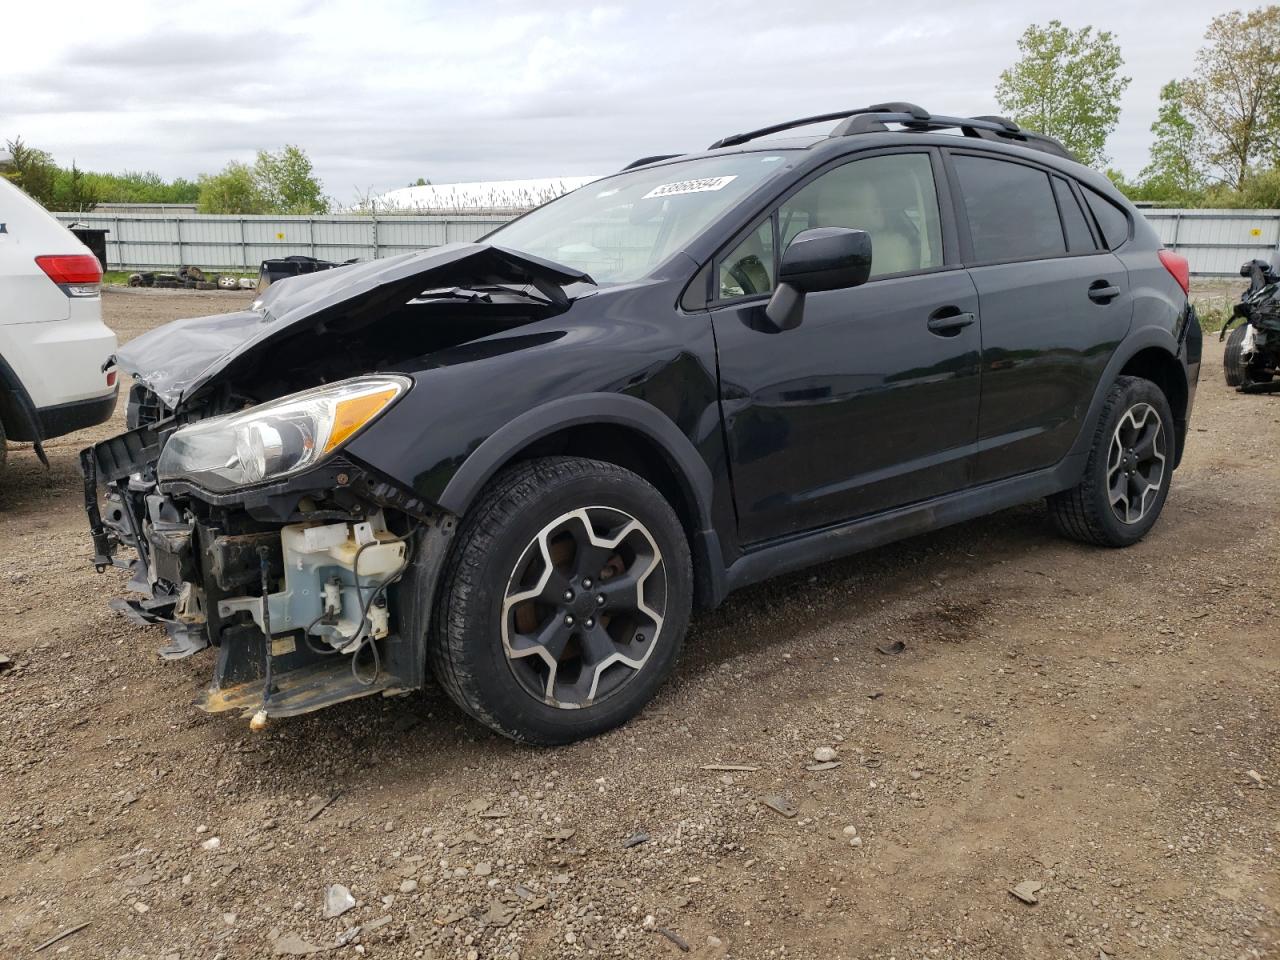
233	499
251	532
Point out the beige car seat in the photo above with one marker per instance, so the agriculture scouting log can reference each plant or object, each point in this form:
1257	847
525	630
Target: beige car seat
855	203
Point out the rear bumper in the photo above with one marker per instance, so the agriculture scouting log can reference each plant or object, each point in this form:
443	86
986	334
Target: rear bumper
64	418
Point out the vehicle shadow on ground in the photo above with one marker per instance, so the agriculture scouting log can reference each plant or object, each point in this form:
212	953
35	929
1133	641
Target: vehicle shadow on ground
411	735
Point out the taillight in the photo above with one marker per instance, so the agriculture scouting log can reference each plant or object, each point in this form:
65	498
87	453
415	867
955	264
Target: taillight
78	274
1178	268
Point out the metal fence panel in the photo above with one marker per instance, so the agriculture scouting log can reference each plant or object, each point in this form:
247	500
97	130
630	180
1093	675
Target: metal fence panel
146	241
1216	242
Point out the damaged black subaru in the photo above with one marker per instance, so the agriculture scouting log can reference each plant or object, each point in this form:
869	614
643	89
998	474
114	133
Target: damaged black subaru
518	464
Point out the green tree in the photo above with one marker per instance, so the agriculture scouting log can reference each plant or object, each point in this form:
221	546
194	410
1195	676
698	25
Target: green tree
33	170
74	190
234	190
142	187
1234	96
1174	172
1066	83
287	182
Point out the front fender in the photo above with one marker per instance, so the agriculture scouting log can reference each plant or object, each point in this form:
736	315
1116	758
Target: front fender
592	408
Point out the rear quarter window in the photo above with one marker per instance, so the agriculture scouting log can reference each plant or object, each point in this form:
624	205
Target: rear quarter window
1079	236
1112	221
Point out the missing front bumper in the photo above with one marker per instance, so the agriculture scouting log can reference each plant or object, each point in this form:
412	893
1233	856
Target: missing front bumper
200	567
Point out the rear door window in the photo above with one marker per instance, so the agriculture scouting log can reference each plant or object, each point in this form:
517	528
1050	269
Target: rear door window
1079	236
1111	219
1011	210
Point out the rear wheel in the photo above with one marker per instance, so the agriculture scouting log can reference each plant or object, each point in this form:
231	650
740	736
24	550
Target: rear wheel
1127	477
1232	365
565	602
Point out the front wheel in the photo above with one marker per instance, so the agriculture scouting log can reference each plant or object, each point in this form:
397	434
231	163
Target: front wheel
1130	466
564	604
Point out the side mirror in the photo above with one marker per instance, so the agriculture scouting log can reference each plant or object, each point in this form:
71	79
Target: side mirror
824	258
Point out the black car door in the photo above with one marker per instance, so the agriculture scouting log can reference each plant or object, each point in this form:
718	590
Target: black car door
1054	302
872	402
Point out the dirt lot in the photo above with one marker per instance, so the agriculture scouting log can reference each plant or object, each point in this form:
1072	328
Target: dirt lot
1104	723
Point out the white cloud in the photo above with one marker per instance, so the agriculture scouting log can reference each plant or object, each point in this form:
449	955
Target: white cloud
380	94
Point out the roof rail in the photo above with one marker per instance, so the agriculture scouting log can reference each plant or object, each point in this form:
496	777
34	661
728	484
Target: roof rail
875	119
654	159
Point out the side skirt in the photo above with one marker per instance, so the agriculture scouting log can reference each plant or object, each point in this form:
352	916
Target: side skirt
789	554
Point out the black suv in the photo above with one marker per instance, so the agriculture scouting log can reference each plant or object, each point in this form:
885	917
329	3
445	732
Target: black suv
523	461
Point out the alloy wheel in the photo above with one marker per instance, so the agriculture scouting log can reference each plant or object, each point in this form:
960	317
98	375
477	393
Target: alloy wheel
1136	462
584	607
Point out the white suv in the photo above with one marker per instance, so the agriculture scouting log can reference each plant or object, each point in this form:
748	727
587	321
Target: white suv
57	370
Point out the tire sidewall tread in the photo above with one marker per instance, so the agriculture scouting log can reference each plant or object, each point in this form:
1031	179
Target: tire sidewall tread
465	649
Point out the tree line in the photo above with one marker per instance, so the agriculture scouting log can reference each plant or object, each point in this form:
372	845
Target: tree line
1215	136
282	183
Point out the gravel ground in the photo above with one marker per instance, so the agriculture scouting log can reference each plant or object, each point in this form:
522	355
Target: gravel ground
1102	724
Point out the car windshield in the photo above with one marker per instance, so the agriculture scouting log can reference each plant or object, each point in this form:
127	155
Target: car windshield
619	228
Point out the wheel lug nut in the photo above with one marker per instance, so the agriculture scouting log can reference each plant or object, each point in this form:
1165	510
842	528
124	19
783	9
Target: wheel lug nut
589	623
568	620
600	600
568	595
586	583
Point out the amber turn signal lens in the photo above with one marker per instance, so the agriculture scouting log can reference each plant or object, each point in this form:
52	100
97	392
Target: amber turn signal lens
350	415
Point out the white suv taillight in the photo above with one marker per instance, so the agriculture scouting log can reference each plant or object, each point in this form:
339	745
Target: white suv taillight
77	274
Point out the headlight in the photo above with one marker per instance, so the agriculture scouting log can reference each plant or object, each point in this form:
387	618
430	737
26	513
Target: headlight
275	439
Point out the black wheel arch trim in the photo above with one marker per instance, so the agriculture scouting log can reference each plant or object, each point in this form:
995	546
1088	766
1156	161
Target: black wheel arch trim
18	411
690	469
1133	344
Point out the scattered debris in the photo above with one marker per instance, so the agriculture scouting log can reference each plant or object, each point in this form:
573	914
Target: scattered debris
780	804
729	767
337	901
819	767
499	914
61	936
891	649
1026	891
292	945
320	806
674	937
636	839
213	843
824	754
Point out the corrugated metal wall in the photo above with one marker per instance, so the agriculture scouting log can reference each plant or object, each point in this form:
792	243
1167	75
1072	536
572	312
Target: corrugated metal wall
1215	241
164	241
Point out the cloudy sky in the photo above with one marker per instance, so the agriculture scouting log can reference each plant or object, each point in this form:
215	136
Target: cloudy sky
380	93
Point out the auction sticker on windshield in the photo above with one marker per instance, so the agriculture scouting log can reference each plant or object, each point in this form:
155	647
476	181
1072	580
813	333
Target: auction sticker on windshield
701	185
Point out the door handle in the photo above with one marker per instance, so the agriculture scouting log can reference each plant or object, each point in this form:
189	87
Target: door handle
948	321
1100	291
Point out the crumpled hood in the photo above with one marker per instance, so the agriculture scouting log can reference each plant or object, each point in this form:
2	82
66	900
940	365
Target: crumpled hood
178	359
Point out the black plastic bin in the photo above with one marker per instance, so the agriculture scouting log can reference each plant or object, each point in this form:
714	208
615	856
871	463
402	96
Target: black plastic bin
95	239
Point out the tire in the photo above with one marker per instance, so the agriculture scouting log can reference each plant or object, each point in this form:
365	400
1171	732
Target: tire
4	445
553	652
1100	509
1233	367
